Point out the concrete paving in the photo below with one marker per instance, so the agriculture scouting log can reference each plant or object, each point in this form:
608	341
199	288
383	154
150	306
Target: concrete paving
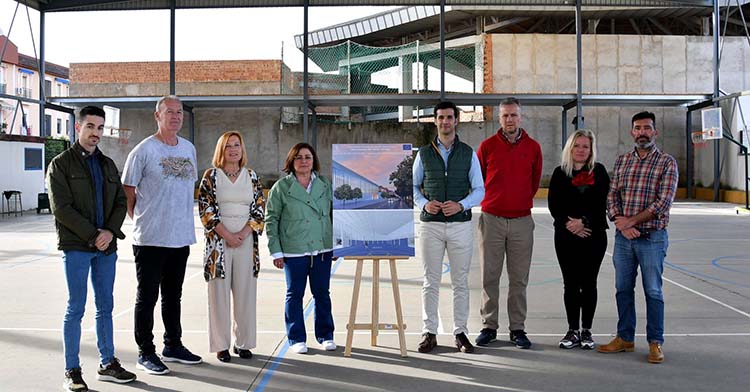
707	348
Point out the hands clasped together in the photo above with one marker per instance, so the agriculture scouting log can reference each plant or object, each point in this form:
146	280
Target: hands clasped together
449	208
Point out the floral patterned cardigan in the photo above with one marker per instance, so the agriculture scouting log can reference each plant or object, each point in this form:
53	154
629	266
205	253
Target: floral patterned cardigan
208	208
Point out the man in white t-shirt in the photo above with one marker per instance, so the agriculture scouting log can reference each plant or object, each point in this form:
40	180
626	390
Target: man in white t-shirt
159	180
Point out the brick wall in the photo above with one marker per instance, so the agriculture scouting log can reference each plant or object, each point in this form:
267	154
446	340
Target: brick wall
185	71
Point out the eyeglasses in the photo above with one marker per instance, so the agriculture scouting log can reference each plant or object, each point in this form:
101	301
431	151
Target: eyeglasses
303	158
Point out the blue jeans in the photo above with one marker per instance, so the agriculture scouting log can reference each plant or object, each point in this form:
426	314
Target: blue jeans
298	270
648	254
77	265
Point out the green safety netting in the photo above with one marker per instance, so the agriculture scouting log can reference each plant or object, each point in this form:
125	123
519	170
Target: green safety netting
352	68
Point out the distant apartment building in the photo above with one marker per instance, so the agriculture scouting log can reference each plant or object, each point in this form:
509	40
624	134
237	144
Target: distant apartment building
19	76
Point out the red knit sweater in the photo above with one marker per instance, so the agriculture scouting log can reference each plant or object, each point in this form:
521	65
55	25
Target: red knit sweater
511	174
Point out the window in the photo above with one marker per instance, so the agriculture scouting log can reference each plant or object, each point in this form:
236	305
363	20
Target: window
67	127
59	126
32	159
47	88
47	125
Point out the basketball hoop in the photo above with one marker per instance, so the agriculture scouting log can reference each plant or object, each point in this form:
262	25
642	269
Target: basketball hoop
699	139
123	135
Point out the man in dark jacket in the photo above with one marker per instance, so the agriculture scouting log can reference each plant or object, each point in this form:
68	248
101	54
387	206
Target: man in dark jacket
89	206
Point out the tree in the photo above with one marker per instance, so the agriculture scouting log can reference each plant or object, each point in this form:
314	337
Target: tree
401	177
356	194
343	193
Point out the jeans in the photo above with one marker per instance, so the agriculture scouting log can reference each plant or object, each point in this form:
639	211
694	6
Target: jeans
155	268
298	270
648	254
77	265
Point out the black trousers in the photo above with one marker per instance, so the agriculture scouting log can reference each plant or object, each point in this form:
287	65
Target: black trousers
580	260
158	268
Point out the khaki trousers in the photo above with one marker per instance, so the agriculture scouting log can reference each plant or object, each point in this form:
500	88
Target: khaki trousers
236	292
435	239
500	237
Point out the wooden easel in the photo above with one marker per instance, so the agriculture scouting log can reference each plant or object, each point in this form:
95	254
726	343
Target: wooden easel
375	325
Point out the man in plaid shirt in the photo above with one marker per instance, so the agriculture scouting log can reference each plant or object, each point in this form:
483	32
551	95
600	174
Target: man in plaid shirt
641	193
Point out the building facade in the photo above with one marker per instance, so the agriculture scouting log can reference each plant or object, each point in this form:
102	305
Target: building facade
19	77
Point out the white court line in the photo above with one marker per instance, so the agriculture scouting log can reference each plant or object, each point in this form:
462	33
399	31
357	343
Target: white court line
130	309
283	332
714	300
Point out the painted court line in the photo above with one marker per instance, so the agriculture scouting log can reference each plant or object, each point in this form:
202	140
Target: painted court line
130	309
276	361
714	300
394	333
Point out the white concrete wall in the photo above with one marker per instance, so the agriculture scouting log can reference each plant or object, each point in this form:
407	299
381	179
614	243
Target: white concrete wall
620	64
29	182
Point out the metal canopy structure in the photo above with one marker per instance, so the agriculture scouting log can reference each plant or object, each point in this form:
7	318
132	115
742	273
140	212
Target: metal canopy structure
309	102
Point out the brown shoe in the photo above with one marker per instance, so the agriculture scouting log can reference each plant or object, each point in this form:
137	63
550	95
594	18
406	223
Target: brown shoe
655	355
617	345
428	342
463	343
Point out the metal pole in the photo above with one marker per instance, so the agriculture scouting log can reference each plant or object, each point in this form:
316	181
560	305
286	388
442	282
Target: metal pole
172	12
72	129
7	35
42	79
191	124
747	199
579	70
689	154
314	140
442	50
717	143
305	96
564	133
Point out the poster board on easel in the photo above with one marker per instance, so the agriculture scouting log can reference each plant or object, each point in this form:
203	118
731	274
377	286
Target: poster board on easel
373	220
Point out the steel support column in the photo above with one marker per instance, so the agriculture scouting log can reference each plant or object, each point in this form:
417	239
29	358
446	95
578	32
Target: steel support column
442	50
689	151
305	93
172	17
579	70
717	143
42	72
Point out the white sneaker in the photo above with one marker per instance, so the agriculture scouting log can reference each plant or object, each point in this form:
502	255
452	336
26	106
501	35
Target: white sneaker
299	348
328	345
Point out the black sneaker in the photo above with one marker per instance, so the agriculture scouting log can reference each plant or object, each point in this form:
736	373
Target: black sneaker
463	344
587	341
486	336
180	354
114	372
571	339
151	364
428	342
74	381
519	338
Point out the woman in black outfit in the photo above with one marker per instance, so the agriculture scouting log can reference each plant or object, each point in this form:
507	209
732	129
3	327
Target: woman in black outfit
577	200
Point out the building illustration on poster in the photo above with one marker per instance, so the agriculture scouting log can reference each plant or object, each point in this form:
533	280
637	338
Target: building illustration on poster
372	200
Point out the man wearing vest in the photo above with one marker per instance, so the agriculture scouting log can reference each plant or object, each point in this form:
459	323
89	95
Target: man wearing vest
447	183
511	164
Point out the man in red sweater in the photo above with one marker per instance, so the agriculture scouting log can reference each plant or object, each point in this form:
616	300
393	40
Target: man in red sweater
511	163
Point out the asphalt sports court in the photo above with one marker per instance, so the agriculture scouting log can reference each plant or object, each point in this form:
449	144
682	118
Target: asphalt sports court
707	302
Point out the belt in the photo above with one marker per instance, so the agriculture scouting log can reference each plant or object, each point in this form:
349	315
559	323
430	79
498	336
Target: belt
646	233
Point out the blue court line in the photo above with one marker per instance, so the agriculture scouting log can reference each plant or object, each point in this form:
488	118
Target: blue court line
698	274
716	264
282	353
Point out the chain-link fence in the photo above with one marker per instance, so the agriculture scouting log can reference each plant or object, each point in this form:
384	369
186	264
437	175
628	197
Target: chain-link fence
413	68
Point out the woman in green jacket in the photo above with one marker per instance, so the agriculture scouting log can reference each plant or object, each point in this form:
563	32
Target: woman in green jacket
300	240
